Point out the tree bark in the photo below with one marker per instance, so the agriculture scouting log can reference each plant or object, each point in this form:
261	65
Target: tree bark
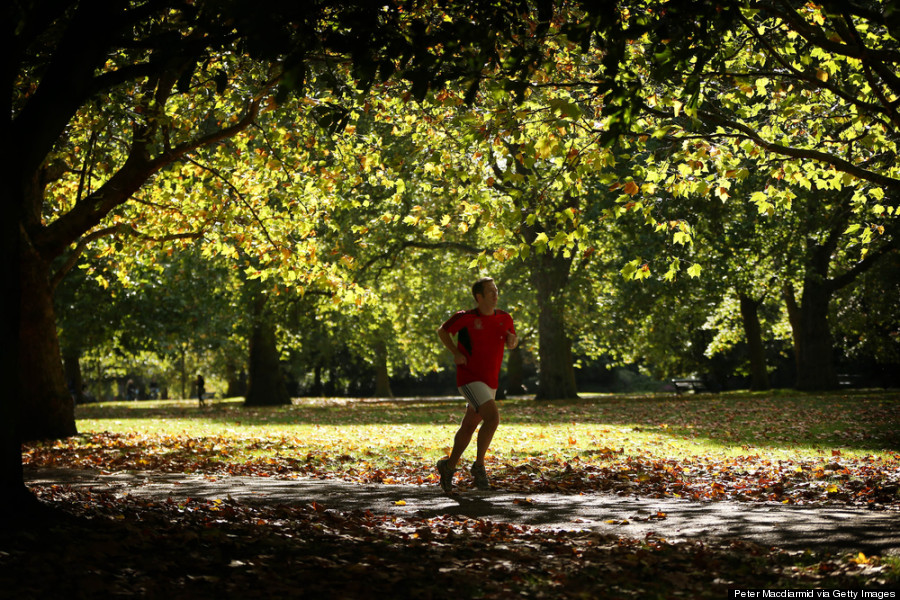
74	377
265	384
382	377
813	342
759	374
515	371
16	500
556	379
12	481
48	410
237	380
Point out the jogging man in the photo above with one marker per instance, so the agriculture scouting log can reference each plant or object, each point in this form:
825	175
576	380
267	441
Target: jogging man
481	335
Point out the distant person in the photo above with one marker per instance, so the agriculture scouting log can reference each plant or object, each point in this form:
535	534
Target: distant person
481	335
201	389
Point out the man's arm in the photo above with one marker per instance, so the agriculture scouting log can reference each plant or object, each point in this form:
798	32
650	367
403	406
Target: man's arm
512	340
458	357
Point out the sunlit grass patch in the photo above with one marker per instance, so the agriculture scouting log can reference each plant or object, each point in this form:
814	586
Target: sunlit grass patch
786	448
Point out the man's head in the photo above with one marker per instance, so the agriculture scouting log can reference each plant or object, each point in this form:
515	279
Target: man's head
486	295
478	286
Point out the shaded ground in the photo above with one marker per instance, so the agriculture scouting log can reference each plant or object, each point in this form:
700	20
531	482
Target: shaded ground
831	529
155	535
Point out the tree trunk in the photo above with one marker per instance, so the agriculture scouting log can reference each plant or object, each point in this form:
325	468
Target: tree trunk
812	339
556	378
265	385
382	377
515	371
13	492
74	377
317	387
793	311
237	380
48	410
183	374
759	374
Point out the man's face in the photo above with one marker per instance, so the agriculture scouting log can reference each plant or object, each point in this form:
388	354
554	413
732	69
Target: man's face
487	299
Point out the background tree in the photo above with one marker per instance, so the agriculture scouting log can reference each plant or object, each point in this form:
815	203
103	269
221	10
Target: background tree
803	91
174	303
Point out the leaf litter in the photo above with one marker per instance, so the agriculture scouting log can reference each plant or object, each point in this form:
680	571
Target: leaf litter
234	547
222	548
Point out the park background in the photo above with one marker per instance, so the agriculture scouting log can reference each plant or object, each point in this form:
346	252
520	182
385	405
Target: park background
303	232
289	202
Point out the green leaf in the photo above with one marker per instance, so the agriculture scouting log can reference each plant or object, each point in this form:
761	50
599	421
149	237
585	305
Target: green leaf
630	268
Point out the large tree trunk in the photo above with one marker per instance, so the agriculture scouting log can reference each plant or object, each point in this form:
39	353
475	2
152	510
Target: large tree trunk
48	409
556	378
16	500
382	377
812	339
13	492
515	371
237	380
265	384
813	344
759	374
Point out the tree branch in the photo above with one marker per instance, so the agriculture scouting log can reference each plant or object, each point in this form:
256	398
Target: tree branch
120	229
864	265
838	163
138	167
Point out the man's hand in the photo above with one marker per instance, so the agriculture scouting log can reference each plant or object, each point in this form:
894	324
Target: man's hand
458	357
512	340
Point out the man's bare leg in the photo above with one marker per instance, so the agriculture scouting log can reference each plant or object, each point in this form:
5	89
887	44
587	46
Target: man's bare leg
490	416
464	434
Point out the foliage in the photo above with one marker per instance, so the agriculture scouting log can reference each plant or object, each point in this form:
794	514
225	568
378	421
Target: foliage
164	315
865	317
802	91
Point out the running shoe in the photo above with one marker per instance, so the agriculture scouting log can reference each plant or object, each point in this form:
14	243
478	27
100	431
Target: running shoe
443	467
481	479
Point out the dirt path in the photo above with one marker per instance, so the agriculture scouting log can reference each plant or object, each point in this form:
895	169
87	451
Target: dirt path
835	529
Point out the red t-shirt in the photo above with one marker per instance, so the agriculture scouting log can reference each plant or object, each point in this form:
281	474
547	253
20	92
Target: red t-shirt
482	339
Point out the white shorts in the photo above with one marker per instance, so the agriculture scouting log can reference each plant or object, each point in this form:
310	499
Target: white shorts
477	393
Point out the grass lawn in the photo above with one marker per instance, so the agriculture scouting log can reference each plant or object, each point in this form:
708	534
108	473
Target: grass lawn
785	446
